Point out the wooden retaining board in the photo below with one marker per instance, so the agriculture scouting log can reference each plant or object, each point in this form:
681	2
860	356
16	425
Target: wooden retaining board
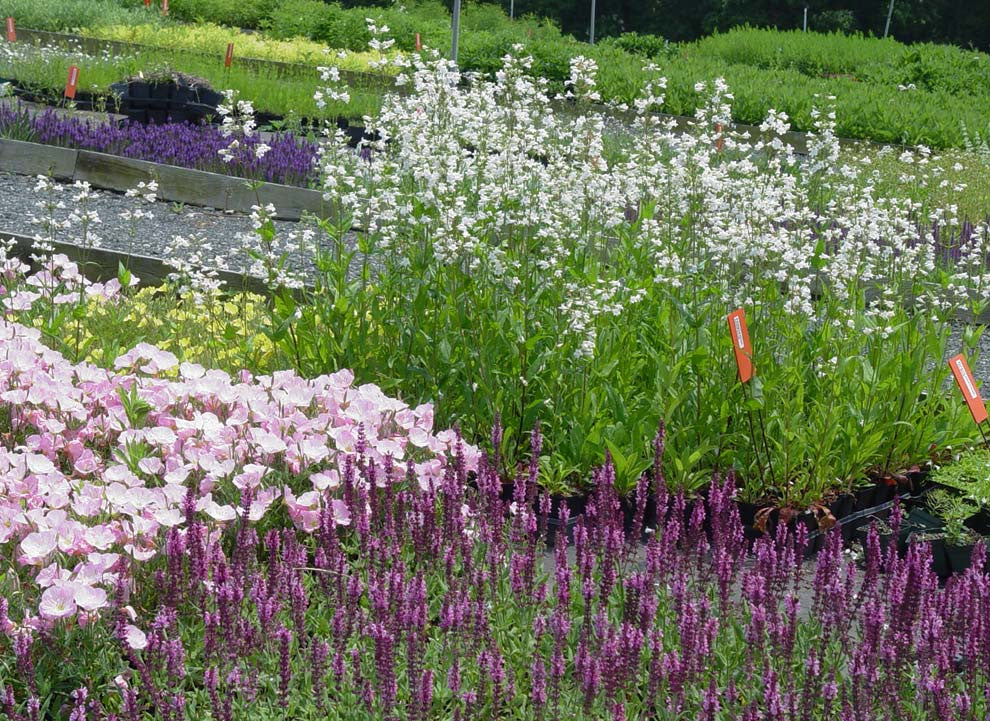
24	158
179	185
102	264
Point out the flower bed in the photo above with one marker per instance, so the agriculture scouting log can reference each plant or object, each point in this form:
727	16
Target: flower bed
431	600
282	159
97	460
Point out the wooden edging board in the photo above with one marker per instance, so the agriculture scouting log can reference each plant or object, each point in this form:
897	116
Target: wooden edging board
177	185
102	264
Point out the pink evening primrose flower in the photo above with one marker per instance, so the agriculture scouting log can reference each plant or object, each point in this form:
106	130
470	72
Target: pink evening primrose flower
37	546
135	637
89	598
57	602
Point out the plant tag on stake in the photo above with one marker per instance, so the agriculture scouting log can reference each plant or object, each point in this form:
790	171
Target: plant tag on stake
11	31
230	55
966	383
740	344
419	43
147	3
164	7
72	82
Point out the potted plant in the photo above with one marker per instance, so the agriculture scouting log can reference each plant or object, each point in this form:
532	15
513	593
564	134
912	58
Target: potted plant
955	510
969	476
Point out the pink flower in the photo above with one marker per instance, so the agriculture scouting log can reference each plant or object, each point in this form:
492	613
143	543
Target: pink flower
89	598
37	546
341	516
267	442
57	602
135	637
99	537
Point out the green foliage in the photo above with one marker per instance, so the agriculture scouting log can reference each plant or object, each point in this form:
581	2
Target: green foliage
236	13
964	492
273	89
71	14
298	18
969	475
954	510
649	46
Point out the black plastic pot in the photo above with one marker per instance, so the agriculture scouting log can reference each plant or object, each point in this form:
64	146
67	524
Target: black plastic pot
119	89
181	95
883	537
629	517
980	523
157	116
138	90
162	90
554	527
209	97
575	507
199	111
840	508
940	559
959	557
864	498
137	115
178	116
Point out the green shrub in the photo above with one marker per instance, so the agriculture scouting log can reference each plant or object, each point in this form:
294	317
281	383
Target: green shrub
649	46
299	18
70	14
238	13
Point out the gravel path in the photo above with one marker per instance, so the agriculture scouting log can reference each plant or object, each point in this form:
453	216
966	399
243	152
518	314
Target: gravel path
216	237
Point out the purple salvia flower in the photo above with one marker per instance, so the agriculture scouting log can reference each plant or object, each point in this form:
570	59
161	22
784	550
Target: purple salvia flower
284	637
79	697
319	652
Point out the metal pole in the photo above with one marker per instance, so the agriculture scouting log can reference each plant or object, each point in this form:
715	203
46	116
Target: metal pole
512	9
890	11
592	22
806	18
455	29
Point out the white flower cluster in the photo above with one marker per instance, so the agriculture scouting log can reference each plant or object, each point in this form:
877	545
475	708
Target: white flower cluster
582	82
490	178
379	43
333	91
238	123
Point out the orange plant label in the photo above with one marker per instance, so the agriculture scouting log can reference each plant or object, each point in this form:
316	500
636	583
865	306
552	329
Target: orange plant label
966	383
72	82
11	31
230	55
164	7
719	140
740	344
147	3
419	43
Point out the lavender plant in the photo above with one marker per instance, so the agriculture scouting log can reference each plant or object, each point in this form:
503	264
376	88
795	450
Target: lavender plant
285	159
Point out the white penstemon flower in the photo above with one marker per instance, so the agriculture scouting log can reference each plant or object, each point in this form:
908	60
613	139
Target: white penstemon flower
333	91
582	81
238	124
